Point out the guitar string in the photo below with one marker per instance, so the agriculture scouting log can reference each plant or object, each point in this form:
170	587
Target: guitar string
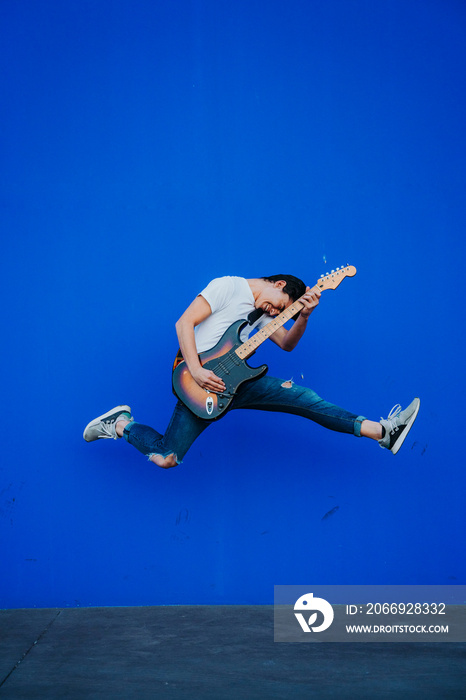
228	361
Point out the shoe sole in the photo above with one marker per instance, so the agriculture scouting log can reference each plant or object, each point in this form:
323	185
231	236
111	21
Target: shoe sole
117	409
409	424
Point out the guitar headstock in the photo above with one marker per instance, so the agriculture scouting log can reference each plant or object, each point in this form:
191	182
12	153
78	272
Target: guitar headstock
332	279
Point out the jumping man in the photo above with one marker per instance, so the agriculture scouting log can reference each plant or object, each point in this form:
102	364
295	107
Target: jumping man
224	301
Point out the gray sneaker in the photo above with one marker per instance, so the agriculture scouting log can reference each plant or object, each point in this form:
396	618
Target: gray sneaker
104	426
397	425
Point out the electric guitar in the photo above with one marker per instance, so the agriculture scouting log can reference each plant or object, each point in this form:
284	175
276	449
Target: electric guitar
228	358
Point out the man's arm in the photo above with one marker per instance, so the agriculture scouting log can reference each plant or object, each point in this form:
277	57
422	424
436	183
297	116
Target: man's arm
196	312
288	340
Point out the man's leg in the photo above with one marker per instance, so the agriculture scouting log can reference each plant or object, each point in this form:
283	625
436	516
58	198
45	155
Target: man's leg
165	450
148	437
272	394
371	429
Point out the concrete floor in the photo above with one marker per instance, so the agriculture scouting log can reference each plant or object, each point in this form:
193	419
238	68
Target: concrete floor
207	652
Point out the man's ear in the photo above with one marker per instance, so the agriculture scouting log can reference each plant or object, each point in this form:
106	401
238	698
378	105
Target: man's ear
280	284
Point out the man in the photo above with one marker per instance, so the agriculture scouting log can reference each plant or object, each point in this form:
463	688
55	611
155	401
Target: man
224	301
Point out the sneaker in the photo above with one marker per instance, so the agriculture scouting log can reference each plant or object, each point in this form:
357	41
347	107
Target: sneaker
397	425
104	426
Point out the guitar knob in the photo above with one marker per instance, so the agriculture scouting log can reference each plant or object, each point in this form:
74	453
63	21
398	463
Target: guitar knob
220	405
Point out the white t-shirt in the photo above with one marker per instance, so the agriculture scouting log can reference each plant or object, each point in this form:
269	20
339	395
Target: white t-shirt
230	299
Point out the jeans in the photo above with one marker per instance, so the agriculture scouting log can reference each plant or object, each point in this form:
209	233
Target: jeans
264	394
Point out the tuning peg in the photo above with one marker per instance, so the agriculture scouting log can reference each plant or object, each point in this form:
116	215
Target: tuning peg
327	273
338	269
322	275
333	271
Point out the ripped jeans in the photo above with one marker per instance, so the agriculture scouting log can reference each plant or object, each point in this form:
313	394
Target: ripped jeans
264	394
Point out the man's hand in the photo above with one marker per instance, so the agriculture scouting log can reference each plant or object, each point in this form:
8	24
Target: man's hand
208	380
310	299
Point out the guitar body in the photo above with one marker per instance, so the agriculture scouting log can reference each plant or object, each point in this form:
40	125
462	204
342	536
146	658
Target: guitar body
225	363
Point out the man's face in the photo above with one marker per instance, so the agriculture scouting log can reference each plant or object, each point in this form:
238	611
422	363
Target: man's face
273	300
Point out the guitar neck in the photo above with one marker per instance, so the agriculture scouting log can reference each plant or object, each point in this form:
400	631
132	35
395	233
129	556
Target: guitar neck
251	345
329	281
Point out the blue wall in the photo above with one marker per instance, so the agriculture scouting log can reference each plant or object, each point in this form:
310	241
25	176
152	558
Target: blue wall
151	146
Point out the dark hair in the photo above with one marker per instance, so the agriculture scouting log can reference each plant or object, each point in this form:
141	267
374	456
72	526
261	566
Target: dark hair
295	287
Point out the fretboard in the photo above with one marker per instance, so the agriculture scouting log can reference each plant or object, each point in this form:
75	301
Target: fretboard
329	281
